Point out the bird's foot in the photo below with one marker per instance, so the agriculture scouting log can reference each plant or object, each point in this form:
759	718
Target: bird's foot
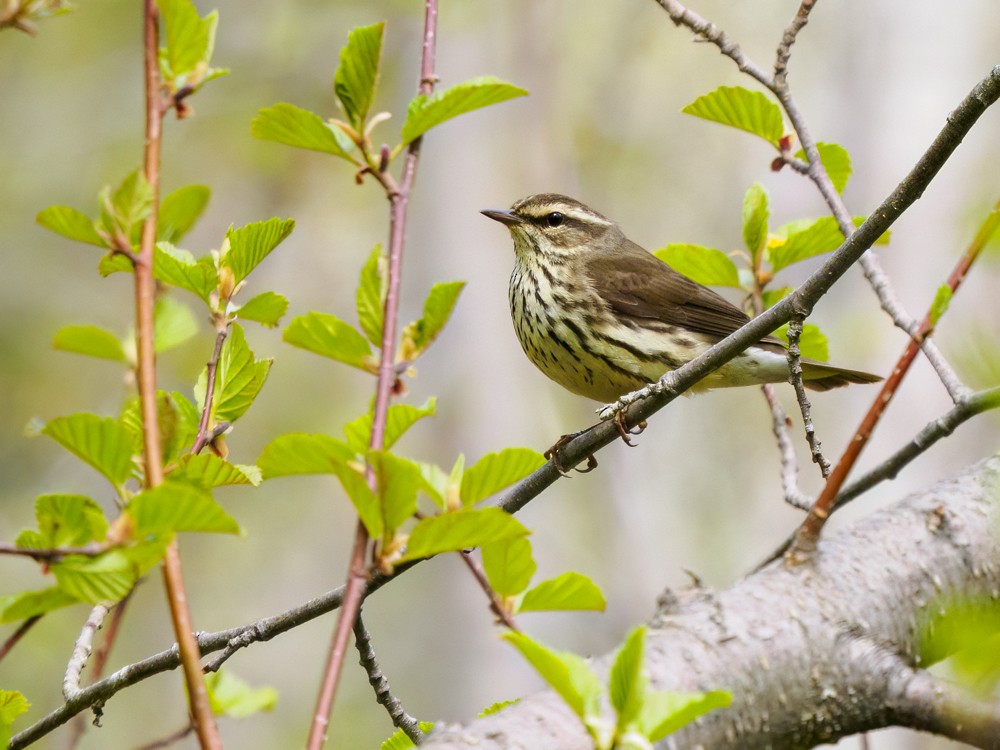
624	430
553	455
611	411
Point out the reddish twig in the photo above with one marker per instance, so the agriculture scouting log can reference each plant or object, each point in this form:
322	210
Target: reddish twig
204	436
496	606
17	635
357	579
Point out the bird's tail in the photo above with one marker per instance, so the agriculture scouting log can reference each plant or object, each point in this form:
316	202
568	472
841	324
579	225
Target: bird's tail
818	376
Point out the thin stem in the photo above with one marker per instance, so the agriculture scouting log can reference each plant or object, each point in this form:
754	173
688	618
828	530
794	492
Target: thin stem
788	39
82	649
204	436
17	635
145	290
781	427
795	378
496	606
53	554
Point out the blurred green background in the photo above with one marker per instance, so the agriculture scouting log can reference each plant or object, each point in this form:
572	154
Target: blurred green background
602	123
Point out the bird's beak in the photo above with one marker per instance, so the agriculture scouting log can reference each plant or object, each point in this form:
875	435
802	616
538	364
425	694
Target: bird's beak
504	216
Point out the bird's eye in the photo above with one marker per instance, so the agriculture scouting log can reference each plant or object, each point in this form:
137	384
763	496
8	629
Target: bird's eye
554	219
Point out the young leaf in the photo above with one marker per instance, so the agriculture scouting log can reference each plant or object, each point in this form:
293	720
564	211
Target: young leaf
324	334
399	740
239	377
27	604
266	308
755	214
495	471
628	683
93	341
101	442
509	565
105	578
177	419
69	521
249	245
293	126
705	265
798	240
420	334
231	696
942	298
207	470
812	342
189	39
178	507
434	482
173	324
179	211
12	705
569	591
397	481
741	108
836	161
399	419
70	223
495	708
566	673
356	76
361	496
371	296
179	268
665	712
425	113
130	205
462	529
298	453
771	297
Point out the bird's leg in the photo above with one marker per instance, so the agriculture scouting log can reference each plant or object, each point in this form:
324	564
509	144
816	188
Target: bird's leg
624	430
553	455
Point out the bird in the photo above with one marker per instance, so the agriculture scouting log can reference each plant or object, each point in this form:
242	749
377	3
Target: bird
602	317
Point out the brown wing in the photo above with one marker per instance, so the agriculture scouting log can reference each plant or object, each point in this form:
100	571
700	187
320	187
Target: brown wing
637	284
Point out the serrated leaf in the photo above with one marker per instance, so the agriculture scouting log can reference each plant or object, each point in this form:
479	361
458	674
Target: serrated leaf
293	126
231	696
239	377
566	673
178	267
433	482
495	471
189	38
942	298
266	308
665	712
420	334
173	507
70	223
93	341
509	565
755	215
370	297
131	204
103	443
397	481
356	76
114	263
799	240
300	453
250	244
69	521
399	740
12	705
207	470
399	419
27	604
328	336
105	578
705	265
836	161
180	210
569	591
627	683
495	708
173	324
469	527
365	502
812	343
741	108
177	419
425	113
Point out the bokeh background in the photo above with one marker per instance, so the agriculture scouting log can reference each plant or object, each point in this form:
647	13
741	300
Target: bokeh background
607	80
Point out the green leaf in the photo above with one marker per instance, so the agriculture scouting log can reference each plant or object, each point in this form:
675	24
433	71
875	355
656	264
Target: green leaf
566	673
509	565
70	223
356	76
628	683
180	210
495	708
665	712
207	470
93	341
12	705
495	471
69	521
799	240
266	308
425	113
173	324
741	108
101	442
175	507
293	126
114	263
299	453
399	740
231	696
239	377
705	265
177	267
371	294
771	297
469	527
189	39
812	342
755	215
942	298
420	334
16	607
399	419
105	578
130	205
397	481
569	591
177	419
836	161
434	482
249	245
367	505
326	335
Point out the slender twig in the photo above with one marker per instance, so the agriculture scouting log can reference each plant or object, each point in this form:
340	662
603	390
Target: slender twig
204	435
380	684
795	378
496	606
781	426
357	578
145	289
169	740
788	39
51	554
81	650
17	635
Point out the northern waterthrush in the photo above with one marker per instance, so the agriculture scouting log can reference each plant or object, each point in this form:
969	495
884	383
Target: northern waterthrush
602	317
